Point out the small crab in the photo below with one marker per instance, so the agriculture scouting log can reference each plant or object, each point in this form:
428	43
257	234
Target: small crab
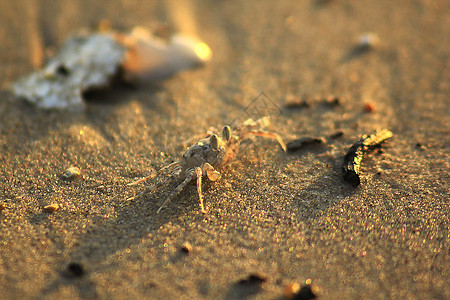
209	154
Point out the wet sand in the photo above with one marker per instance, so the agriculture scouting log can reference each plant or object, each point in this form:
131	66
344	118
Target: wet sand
288	217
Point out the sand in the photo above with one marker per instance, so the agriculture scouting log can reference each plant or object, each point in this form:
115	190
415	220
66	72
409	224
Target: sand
281	217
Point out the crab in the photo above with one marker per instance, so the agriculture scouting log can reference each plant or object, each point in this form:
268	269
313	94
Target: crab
208	155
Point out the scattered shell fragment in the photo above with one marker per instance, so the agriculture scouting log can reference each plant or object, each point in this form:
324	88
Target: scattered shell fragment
91	61
71	173
51	208
330	101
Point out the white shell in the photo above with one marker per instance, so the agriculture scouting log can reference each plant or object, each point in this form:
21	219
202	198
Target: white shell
82	63
150	58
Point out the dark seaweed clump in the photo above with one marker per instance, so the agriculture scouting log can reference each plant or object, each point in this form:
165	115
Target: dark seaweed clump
354	156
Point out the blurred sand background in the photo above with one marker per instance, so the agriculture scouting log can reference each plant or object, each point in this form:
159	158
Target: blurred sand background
288	217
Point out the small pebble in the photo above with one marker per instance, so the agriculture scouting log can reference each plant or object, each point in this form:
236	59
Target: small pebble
75	269
186	247
293	291
332	100
62	70
2	206
71	173
369	107
419	146
368	41
51	208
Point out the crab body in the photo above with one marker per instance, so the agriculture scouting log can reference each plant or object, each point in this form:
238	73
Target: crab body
209	154
215	151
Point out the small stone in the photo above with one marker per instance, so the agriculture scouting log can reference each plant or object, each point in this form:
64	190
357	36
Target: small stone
293	291
75	269
368	41
71	173
419	146
51	208
369	107
186	247
2	206
332	100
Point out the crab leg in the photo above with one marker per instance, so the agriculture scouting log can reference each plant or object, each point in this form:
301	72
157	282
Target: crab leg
152	188
199	188
153	175
189	177
265	134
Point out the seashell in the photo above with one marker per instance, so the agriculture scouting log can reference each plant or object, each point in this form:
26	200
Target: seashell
149	58
83	63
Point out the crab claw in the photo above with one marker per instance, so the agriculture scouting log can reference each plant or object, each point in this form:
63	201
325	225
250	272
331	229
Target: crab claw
212	174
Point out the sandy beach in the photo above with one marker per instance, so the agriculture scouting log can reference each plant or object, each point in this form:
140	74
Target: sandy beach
273	218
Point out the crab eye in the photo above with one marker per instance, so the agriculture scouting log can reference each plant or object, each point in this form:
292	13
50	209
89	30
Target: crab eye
226	133
214	142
